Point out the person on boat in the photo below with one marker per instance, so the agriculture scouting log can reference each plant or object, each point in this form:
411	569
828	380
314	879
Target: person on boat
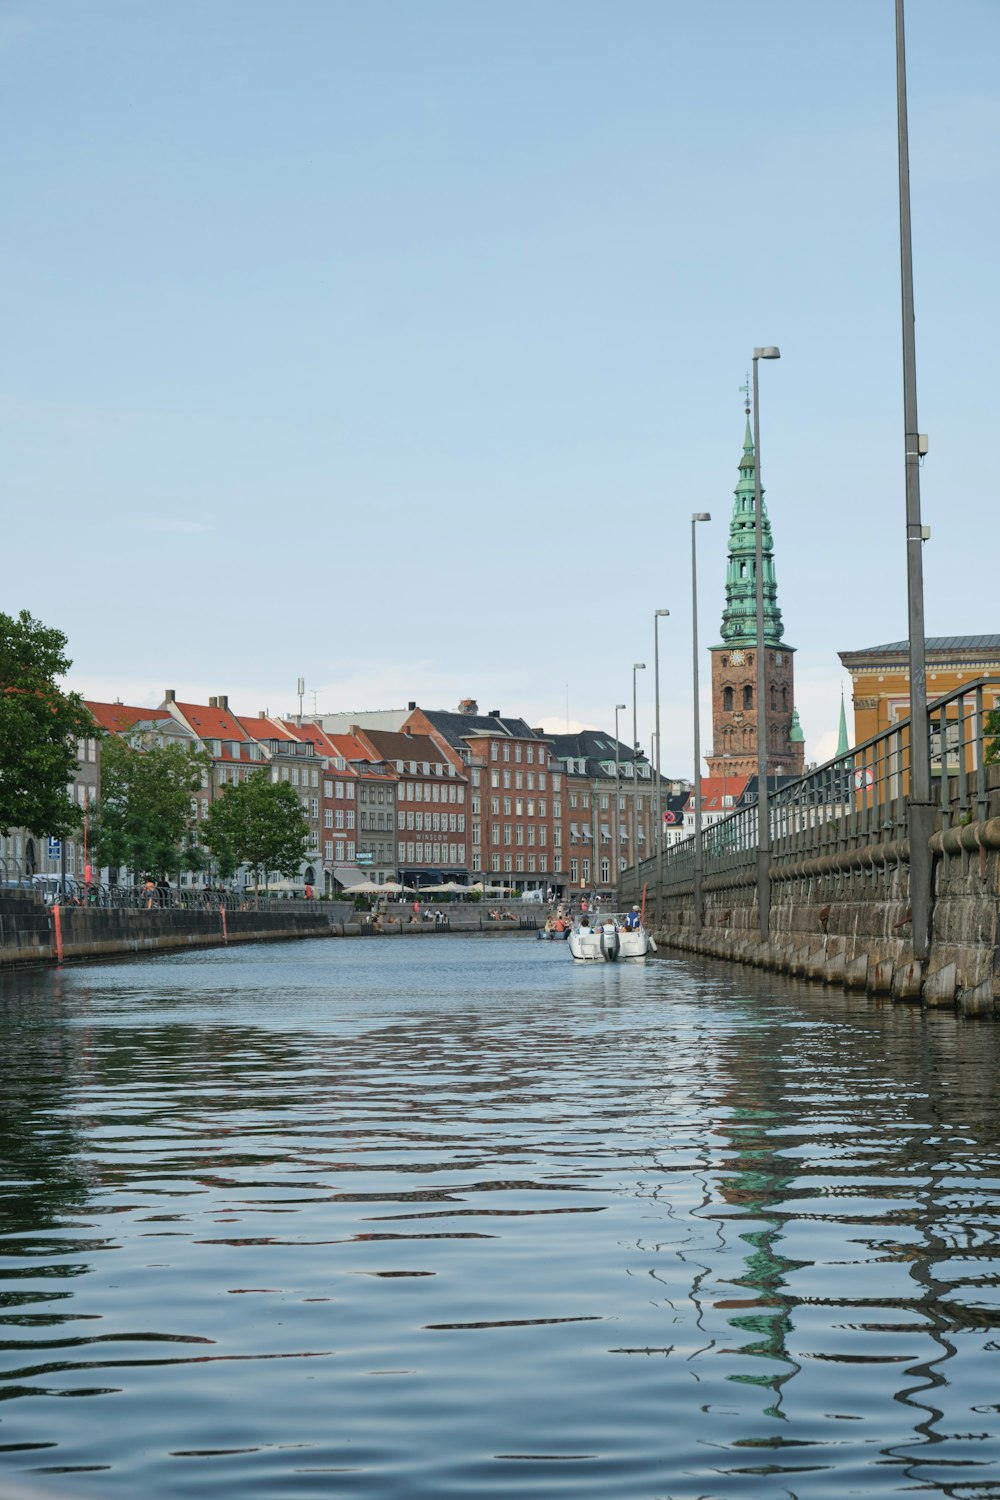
632	921
584	924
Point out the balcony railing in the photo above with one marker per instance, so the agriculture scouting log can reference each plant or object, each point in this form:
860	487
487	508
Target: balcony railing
856	800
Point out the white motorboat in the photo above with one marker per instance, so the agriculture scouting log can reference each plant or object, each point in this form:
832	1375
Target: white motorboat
607	938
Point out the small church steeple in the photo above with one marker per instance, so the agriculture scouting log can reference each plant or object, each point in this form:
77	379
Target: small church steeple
843	744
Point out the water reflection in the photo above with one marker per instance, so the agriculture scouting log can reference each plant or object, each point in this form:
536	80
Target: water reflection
461	1216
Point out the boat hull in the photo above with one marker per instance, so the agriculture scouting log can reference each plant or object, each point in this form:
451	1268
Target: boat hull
608	943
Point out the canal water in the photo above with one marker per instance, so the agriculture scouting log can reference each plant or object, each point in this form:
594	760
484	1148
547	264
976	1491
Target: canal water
459	1217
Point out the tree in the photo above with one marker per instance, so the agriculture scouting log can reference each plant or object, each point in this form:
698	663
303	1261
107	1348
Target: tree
142	817
991	725
260	823
39	728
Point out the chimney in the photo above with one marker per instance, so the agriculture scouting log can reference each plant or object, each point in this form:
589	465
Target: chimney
468	706
169	696
411	707
494	713
213	702
223	701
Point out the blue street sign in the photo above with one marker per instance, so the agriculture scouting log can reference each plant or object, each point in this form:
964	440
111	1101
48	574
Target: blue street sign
55	848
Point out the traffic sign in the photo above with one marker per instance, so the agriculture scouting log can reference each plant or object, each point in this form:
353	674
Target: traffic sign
55	848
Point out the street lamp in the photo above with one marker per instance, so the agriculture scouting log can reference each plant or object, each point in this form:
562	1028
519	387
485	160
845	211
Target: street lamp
619	708
763	816
637	666
658	614
699	515
919	813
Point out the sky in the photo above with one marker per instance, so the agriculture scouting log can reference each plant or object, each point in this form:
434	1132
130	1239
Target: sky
391	344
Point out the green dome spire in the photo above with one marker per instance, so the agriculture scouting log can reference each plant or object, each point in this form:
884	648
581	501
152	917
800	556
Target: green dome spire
739	618
795	734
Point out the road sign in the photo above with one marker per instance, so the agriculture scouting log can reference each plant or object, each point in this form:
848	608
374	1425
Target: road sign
55	848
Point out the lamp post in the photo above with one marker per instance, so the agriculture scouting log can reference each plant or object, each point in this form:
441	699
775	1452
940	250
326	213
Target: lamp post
658	614
919	810
763	816
619	708
699	515
637	666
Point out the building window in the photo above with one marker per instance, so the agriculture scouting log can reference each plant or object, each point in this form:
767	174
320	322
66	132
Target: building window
727	699
748	696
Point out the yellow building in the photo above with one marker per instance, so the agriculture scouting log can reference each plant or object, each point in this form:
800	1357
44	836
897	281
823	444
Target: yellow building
880	676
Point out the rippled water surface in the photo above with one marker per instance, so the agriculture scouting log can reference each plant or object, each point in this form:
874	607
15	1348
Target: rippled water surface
459	1217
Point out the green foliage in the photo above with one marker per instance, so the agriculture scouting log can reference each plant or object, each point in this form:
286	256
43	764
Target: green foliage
144	809
39	728
991	724
259	823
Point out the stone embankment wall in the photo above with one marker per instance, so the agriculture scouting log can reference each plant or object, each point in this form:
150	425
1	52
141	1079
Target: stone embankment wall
845	919
32	933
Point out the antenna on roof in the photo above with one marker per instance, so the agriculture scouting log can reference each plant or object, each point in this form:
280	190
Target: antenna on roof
301	692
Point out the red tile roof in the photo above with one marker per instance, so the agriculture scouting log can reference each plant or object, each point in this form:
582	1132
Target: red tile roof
720	793
117	717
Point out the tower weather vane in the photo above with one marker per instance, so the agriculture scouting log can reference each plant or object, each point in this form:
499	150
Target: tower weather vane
745	388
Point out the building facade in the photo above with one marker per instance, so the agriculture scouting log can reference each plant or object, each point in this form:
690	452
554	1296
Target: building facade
880	676
512	782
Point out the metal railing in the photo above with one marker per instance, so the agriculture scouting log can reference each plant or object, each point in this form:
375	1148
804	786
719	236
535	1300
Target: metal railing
856	800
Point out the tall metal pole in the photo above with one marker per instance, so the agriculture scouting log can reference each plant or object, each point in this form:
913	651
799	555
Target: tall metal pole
763	814
919	811
637	666
657	614
619	708
698	841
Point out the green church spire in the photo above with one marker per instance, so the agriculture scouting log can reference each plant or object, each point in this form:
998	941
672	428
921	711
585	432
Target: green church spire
739	618
843	745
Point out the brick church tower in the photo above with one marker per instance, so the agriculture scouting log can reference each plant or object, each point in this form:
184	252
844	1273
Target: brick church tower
734	662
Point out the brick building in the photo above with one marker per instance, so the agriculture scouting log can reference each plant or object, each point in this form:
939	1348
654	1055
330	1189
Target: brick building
512	782
592	826
427	834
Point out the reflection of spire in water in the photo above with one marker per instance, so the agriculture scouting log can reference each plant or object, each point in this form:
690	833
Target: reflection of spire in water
760	1182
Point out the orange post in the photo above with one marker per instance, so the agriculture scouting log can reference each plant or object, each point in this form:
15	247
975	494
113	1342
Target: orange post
57	919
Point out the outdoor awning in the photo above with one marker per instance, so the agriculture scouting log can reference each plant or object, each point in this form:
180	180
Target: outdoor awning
350	875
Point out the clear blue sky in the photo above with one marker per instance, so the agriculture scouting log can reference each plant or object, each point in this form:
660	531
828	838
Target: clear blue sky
392	343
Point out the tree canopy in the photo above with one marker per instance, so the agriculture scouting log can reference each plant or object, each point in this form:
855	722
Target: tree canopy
260	823
991	725
142	819
39	727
